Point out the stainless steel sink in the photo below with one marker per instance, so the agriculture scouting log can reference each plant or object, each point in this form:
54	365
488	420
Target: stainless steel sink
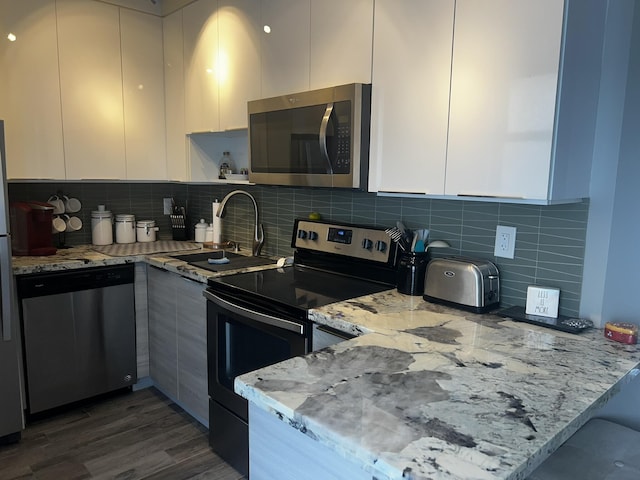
236	261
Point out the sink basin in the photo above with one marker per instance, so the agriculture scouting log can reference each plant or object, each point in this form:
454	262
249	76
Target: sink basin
236	261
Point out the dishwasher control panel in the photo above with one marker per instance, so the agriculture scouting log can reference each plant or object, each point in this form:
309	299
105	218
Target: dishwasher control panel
51	283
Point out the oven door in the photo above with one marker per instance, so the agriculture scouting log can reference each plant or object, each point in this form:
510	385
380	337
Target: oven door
240	339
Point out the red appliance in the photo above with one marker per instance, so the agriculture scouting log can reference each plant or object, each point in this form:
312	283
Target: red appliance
31	228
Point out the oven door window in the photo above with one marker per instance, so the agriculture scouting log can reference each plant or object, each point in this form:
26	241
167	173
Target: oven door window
244	347
238	344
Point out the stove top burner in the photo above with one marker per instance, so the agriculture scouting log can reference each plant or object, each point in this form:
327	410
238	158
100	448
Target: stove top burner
299	287
333	262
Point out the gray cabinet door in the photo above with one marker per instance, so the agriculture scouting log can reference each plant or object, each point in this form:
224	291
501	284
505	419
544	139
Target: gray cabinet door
192	349
163	350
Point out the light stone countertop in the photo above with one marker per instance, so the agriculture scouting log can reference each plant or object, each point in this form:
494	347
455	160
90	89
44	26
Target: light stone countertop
432	392
84	256
424	391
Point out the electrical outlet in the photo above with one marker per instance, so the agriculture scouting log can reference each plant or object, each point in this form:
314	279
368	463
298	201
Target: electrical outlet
505	241
166	203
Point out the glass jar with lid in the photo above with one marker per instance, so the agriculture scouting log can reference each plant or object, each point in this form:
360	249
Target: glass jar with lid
125	228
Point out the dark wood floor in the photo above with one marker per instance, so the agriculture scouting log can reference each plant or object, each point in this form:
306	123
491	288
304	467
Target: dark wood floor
136	435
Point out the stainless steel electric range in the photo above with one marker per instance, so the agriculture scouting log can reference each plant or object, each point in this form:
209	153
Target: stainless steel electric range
256	319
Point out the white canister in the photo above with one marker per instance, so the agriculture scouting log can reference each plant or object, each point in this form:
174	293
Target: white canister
101	227
208	236
125	228
200	231
146	230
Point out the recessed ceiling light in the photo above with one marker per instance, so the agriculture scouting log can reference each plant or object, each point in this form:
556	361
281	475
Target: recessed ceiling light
11	37
267	29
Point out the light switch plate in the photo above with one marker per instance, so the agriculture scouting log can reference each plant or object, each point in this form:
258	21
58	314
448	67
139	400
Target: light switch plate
542	301
166	204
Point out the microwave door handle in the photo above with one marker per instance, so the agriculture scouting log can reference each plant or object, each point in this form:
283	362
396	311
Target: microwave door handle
323	136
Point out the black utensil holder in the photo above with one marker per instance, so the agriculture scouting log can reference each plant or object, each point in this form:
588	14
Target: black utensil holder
412	268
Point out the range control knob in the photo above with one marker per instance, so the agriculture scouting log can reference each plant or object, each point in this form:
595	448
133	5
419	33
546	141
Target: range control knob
381	246
367	244
302	234
313	235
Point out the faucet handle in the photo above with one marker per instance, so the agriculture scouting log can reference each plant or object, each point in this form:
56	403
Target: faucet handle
258	241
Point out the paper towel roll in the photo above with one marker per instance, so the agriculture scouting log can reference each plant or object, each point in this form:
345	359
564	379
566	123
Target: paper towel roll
216	223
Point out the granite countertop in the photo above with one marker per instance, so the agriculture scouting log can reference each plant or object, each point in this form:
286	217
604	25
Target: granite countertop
432	392
85	256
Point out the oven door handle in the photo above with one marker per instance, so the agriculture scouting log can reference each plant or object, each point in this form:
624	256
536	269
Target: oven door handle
256	316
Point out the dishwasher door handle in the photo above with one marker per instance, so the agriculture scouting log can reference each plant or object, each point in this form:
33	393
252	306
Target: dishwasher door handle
6	288
255	316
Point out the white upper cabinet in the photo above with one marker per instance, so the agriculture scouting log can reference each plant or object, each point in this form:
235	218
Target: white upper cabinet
143	90
340	43
91	89
314	44
202	69
239	57
174	94
30	90
524	99
221	63
285	50
410	95
503	97
524	84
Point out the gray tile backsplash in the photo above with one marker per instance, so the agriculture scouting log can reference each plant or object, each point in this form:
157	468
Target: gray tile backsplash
550	240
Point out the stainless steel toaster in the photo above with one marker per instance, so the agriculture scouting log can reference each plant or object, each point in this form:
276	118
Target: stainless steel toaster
466	283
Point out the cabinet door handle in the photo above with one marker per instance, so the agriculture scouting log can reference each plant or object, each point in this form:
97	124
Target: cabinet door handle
6	281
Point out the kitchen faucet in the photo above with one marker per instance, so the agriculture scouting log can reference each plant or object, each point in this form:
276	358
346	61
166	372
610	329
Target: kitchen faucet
258	239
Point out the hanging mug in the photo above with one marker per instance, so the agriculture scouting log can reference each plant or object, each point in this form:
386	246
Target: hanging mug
58	225
73	224
57	204
72	205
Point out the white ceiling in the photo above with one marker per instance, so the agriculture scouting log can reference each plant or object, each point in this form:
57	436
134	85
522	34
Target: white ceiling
155	7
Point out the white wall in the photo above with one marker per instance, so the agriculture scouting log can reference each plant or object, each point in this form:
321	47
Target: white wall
605	194
611	289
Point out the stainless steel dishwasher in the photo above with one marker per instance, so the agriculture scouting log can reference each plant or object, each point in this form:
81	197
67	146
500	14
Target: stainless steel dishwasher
78	334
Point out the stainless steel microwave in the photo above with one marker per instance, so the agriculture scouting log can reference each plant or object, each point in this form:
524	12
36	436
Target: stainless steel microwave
318	138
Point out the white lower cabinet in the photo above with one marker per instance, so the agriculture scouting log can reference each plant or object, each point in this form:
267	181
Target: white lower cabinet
277	450
178	340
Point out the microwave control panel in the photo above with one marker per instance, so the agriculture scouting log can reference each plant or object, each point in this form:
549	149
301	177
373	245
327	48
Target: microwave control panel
367	243
342	163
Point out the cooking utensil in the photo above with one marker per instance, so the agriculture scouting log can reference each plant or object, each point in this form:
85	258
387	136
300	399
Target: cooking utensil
396	235
414	241
406	233
437	244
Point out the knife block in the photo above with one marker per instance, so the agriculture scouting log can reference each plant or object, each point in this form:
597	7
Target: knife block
179	227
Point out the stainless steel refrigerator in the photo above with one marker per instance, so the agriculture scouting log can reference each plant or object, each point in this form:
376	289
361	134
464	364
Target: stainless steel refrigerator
11	413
